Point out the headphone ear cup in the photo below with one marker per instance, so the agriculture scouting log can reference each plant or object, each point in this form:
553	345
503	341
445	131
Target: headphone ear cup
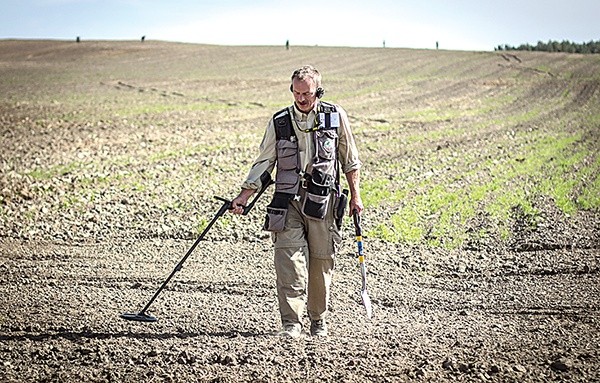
292	88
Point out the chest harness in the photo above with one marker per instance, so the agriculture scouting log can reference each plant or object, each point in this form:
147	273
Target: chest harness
315	186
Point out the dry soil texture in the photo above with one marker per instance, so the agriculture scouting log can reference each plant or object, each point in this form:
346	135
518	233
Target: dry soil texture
111	154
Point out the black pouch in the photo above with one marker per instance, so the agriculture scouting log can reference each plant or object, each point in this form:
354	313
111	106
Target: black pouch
340	209
276	213
318	194
315	206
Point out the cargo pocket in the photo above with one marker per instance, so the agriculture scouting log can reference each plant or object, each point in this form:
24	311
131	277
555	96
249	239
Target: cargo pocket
336	240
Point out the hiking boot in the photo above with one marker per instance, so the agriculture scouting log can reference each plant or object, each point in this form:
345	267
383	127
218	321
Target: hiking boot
318	327
291	330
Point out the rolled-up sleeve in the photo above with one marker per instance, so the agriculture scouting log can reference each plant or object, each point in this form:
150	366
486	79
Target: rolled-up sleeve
265	162
347	150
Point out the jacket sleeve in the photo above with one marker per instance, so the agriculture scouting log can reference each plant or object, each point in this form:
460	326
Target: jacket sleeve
265	162
347	150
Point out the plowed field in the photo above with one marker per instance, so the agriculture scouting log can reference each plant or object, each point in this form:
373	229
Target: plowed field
480	180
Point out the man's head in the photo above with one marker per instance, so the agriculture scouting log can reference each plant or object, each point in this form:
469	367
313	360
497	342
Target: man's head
306	87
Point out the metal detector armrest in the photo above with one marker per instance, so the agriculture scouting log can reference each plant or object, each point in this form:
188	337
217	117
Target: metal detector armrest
265	180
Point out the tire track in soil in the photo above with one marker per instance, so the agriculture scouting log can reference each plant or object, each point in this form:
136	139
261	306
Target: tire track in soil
585	92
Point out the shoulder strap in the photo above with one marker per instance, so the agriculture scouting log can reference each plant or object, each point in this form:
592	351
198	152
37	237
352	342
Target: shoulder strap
325	107
330	108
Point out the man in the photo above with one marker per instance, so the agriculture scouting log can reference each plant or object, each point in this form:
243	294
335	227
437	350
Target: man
311	144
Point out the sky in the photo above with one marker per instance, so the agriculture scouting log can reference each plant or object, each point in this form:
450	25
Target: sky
473	25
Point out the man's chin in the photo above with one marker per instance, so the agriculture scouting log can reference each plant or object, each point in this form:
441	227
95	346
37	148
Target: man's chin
303	108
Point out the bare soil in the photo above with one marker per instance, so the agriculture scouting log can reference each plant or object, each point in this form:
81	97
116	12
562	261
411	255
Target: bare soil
112	154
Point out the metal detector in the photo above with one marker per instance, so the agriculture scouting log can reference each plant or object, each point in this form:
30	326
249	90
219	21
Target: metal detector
142	316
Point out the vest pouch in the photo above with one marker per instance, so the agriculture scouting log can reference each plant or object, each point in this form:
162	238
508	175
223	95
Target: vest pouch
316	189
287	179
277	213
286	154
315	206
326	144
320	182
275	219
318	193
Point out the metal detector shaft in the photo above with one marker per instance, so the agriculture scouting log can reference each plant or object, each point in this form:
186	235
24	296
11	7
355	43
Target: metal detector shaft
224	207
266	181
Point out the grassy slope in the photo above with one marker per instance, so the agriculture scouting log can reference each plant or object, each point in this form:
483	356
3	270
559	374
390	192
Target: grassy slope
456	145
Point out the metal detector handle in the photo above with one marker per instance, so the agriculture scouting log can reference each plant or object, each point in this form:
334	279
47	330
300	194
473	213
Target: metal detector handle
226	206
265	180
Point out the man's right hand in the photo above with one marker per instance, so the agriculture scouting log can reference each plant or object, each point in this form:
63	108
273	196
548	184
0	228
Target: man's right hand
239	203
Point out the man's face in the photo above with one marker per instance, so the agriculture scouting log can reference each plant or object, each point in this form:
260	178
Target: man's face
304	94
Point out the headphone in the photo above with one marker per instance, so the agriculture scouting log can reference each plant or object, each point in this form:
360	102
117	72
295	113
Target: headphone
319	92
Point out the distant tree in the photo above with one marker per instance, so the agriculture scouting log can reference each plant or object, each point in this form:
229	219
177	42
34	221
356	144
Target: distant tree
524	47
555	46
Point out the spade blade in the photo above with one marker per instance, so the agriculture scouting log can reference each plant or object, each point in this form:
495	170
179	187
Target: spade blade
367	303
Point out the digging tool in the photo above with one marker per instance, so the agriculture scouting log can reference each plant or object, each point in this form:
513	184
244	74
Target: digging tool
142	316
363	267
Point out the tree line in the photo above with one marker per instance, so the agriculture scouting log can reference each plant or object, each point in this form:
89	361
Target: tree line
555	46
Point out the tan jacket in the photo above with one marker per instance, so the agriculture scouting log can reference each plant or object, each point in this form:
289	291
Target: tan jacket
347	151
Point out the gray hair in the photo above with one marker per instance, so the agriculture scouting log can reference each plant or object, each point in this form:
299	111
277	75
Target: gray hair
307	72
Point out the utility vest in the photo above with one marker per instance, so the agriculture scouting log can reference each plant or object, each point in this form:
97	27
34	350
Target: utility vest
315	186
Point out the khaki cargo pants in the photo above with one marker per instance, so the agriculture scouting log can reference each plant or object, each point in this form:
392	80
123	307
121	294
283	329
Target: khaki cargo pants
304	263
